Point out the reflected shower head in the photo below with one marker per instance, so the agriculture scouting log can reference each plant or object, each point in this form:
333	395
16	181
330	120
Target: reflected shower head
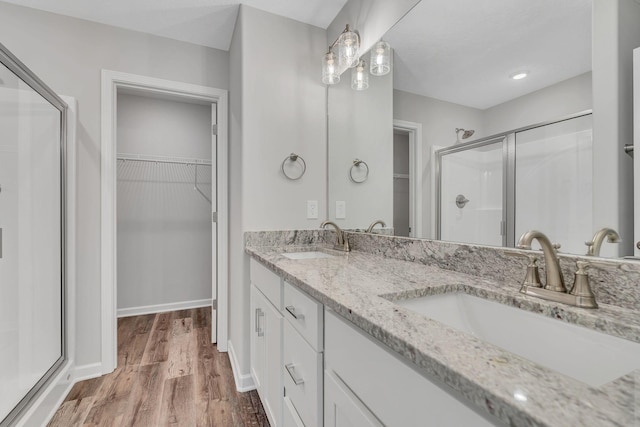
466	134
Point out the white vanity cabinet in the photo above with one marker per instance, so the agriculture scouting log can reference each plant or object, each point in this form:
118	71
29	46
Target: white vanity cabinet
266	340
303	358
368	385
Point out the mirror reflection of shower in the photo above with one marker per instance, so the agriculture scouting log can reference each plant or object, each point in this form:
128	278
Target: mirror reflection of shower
465	134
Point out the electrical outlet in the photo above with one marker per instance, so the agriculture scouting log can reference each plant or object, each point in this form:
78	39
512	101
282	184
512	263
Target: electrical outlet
312	209
341	209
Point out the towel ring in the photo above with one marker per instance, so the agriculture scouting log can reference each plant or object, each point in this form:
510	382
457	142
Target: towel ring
293	157
357	164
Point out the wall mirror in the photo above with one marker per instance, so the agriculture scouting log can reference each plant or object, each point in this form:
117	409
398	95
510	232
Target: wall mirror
467	151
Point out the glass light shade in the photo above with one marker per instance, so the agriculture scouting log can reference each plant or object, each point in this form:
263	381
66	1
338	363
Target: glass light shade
360	77
348	46
330	75
380	59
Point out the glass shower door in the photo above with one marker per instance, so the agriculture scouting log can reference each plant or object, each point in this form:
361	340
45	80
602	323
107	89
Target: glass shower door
31	242
471	193
554	182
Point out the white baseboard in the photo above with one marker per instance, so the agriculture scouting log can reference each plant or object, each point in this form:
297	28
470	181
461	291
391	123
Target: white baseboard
244	382
87	372
46	405
160	308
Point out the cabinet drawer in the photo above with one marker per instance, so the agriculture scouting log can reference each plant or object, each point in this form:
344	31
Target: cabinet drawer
269	283
302	377
305	314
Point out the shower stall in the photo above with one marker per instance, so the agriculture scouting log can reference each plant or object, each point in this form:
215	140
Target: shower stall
32	243
492	190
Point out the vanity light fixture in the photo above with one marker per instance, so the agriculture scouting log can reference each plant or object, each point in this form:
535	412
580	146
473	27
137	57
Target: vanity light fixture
330	74
360	76
348	45
380	62
519	75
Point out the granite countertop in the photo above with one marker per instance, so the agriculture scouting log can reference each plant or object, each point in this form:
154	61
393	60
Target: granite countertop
361	288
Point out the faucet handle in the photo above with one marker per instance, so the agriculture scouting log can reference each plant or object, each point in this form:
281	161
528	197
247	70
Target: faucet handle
532	278
581	288
556	246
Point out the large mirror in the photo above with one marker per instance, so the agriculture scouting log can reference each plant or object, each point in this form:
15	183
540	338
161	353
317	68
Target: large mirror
460	148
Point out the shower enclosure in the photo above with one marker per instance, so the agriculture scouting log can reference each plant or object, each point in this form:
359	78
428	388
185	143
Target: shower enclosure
32	246
492	190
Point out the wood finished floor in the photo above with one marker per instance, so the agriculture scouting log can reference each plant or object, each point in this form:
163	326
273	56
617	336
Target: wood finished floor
169	374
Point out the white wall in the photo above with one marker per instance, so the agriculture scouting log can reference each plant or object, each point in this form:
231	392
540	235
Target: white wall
361	127
615	34
68	54
277	107
163	224
553	102
439	120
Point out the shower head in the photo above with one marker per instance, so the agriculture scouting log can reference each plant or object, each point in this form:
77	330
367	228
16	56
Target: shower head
465	134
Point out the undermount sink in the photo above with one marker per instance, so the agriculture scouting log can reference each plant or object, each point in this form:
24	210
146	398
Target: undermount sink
306	255
592	357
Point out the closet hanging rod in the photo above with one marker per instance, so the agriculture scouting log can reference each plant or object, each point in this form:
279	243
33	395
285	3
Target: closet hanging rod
158	159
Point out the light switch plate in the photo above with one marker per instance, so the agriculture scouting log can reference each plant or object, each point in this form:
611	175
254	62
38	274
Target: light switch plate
312	209
341	209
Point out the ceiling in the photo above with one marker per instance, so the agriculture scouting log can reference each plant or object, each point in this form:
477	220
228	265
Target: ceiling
464	51
203	22
461	51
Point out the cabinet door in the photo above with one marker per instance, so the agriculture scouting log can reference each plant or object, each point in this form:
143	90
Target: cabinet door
342	408
257	341
290	417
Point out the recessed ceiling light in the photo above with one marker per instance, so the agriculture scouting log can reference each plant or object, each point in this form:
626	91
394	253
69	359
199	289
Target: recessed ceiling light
519	75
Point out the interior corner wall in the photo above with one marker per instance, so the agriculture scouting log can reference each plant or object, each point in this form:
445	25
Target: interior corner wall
615	34
281	110
68	55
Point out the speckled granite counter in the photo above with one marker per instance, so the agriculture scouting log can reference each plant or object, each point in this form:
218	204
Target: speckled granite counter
361	287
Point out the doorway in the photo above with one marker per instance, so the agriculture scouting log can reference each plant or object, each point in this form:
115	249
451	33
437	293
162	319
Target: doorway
165	175
407	178
162	167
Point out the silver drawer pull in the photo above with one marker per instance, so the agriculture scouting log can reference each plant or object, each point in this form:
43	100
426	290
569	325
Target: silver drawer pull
292	311
259	314
291	369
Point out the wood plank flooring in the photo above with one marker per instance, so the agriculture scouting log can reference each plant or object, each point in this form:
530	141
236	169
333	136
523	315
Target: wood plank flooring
169	374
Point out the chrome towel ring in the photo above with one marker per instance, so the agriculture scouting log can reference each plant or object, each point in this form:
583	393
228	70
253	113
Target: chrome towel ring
294	158
359	164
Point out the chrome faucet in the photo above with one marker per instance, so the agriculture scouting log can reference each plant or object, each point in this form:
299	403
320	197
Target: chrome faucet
580	294
342	244
596	243
555	281
374	223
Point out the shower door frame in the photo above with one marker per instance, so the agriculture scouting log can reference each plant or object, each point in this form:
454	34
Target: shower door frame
27	76
508	227
508	204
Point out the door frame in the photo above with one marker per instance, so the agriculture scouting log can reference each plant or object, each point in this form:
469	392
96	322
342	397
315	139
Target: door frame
415	174
111	82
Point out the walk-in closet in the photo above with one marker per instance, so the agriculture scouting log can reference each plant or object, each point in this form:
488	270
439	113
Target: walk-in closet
164	194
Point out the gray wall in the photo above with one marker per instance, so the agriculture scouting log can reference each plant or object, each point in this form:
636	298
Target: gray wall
164	226
69	54
277	107
564	98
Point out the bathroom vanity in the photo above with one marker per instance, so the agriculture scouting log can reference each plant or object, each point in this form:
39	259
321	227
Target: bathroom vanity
349	346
